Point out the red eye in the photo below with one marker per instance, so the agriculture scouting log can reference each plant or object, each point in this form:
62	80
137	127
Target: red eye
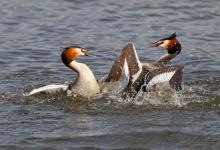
83	50
161	42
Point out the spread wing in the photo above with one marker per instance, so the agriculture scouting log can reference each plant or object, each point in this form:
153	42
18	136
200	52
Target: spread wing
148	79
126	58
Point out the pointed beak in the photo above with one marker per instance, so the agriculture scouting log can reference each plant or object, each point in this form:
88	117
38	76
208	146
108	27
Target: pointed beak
86	53
89	54
155	44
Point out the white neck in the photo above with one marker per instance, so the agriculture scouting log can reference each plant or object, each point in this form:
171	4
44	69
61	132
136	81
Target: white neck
86	84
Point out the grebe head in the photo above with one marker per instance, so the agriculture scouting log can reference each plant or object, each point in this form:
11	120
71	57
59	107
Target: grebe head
71	53
170	43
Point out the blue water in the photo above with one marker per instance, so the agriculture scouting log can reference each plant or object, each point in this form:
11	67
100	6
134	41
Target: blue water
33	34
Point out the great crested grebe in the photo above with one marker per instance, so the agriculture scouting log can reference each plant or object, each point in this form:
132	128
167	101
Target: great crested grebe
85	85
144	76
157	72
139	76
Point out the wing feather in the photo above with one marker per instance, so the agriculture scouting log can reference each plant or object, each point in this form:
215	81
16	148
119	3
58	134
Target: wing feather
48	88
148	79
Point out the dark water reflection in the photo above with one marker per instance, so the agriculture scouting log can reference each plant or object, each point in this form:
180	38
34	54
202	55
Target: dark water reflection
32	36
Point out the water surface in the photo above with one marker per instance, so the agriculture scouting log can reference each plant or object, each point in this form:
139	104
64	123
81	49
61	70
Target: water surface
33	34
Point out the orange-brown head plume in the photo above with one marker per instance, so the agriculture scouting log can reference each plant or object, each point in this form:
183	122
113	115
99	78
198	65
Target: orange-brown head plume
171	44
71	53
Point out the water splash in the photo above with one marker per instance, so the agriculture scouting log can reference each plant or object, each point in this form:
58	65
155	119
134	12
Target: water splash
194	94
